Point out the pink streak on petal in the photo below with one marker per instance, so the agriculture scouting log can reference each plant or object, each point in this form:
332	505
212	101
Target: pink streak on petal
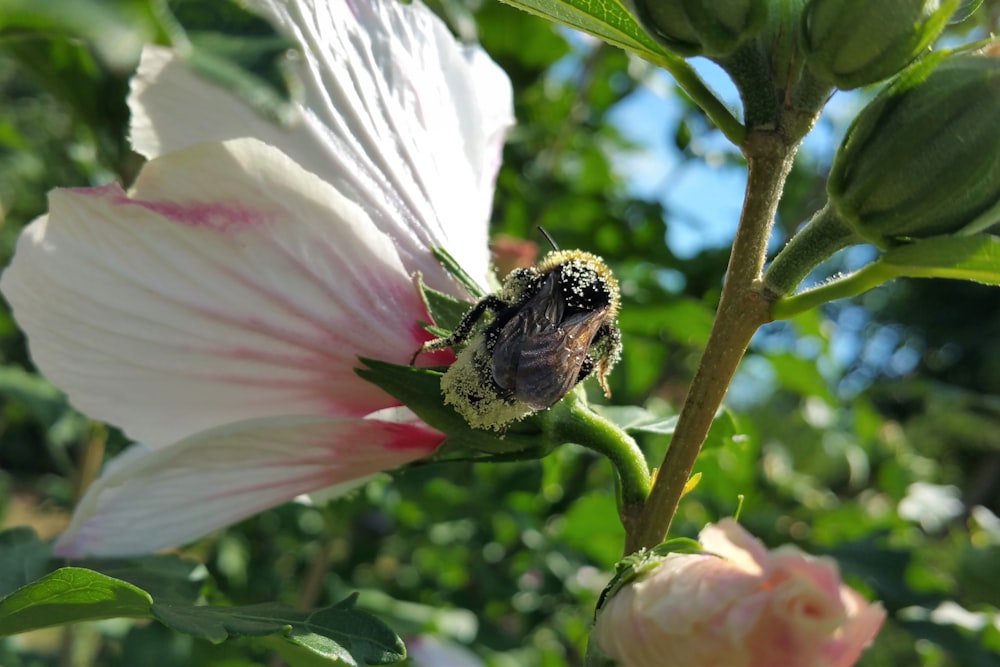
150	499
408	437
220	216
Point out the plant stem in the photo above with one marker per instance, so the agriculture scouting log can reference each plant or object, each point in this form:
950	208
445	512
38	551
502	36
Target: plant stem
588	429
852	284
742	310
823	235
703	96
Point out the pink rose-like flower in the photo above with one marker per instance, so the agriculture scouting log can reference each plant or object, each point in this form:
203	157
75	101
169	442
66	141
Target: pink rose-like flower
215	311
738	606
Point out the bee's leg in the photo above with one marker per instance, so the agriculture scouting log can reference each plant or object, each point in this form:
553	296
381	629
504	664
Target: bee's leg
608	340
464	328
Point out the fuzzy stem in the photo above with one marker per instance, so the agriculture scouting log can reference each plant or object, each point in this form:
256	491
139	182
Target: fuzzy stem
823	235
742	310
706	100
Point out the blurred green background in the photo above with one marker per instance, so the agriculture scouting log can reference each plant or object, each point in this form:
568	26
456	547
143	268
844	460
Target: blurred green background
869	431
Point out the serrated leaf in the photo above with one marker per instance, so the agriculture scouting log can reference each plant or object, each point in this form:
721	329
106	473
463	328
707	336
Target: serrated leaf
975	258
339	632
369	640
23	558
69	595
605	19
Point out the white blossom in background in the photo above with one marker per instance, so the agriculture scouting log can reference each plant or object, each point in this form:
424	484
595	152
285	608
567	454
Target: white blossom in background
215	310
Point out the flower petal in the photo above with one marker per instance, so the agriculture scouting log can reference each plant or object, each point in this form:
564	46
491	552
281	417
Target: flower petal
149	499
232	284
395	113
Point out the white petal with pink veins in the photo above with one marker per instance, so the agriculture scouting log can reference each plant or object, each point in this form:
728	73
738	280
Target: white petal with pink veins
230	284
149	499
395	113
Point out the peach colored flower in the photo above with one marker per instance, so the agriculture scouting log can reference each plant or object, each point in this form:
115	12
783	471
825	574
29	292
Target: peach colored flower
739	605
215	311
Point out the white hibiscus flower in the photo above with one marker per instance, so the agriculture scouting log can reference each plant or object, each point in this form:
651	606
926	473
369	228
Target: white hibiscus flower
215	310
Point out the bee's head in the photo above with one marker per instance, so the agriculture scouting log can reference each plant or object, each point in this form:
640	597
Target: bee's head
584	279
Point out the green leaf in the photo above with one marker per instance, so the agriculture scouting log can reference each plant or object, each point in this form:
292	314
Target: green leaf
339	632
605	19
23	558
167	577
69	595
633	419
975	258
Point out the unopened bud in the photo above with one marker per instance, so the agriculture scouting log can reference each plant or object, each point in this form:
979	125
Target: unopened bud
701	27
921	159
852	43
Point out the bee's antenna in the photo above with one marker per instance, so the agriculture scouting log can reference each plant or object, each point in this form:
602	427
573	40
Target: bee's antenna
548	238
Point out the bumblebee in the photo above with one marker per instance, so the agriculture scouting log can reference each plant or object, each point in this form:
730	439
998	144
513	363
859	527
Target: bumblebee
549	327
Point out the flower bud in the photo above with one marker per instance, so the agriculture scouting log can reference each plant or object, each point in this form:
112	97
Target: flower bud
921	159
853	43
737	604
701	27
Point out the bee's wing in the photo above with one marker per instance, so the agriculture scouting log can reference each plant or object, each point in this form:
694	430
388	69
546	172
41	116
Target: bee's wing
538	355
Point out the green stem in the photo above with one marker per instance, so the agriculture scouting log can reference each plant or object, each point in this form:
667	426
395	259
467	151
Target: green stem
703	96
742	310
852	284
586	428
823	235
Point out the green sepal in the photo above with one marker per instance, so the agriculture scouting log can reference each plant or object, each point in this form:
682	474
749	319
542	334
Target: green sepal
920	159
419	388
457	272
446	310
636	565
975	258
853	43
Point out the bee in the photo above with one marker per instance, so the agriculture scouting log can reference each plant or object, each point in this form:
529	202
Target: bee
527	346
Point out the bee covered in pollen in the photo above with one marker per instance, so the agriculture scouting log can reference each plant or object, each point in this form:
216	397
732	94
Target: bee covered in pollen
549	327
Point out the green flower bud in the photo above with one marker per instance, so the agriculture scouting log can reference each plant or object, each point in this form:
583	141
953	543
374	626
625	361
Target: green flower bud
853	43
701	27
921	159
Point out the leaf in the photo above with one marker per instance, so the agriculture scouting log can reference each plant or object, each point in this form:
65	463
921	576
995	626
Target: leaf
633	419
69	595
975	258
339	632
23	558
605	19
167	577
